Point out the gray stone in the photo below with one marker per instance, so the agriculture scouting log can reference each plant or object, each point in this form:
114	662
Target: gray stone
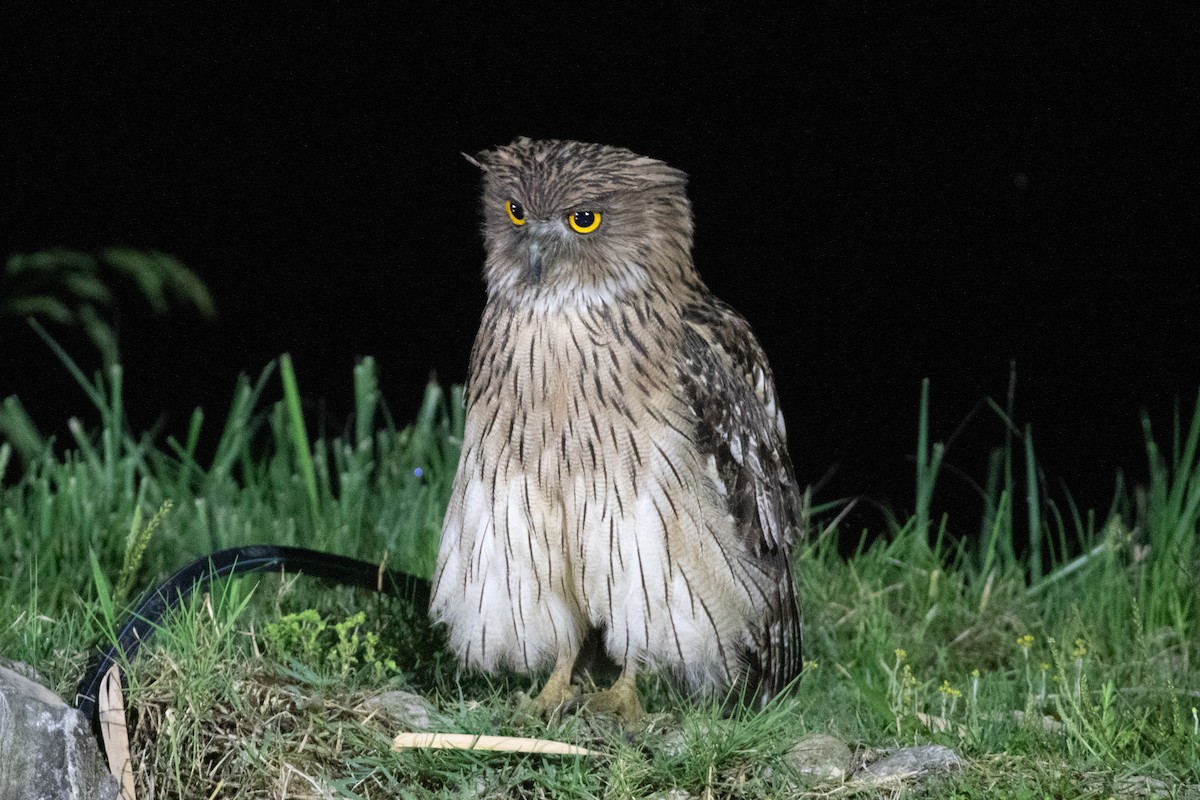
820	757
1142	786
47	746
911	762
676	741
673	744
24	670
410	710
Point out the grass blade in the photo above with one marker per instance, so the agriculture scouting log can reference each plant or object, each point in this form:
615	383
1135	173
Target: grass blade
1034	508
299	434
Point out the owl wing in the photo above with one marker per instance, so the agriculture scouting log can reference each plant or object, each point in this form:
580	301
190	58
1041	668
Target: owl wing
728	384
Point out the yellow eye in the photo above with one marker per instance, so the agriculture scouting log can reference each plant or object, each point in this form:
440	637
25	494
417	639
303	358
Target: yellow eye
515	212
584	221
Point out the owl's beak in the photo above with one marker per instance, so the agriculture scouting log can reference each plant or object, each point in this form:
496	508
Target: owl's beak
535	263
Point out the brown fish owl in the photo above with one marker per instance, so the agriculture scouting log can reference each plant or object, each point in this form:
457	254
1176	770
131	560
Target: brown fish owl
624	467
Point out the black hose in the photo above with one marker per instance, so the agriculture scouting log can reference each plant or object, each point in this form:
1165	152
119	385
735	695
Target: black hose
140	624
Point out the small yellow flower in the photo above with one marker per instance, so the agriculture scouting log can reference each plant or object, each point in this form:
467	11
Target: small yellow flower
1044	666
975	674
811	665
1025	642
900	654
1080	648
949	690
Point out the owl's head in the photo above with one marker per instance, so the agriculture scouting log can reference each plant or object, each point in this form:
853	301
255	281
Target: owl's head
568	224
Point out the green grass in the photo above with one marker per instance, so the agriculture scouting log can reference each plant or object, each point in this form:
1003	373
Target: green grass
1062	669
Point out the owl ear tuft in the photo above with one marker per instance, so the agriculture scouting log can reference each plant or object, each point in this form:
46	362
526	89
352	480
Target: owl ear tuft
476	161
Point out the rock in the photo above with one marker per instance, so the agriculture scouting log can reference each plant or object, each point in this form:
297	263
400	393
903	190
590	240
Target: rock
1141	786
675	742
1039	720
49	752
671	794
911	762
26	671
410	710
820	757
29	681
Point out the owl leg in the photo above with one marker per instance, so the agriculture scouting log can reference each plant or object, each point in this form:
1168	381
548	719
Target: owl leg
558	693
620	699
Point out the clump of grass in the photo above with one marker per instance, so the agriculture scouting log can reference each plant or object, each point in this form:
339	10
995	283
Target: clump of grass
74	288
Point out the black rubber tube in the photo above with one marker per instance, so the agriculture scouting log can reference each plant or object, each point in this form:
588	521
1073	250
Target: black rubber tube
140	624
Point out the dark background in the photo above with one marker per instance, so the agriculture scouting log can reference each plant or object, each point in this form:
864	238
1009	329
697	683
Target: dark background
886	195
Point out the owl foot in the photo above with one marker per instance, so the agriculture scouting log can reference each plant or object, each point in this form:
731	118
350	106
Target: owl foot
620	699
556	696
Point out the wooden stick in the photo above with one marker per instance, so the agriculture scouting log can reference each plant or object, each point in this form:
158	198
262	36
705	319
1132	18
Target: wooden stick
470	741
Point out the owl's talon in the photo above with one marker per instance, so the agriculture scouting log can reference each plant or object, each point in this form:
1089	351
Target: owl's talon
620	700
558	695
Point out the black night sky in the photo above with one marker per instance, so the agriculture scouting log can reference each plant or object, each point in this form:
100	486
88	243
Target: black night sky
886	195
